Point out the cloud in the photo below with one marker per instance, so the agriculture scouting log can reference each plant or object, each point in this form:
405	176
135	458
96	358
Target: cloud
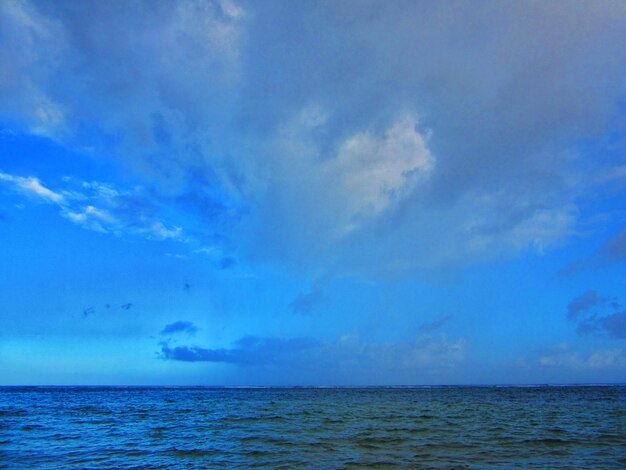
179	327
249	350
32	186
45	40
615	248
161	232
305	303
611	251
499	179
90	217
346	359
563	356
332	136
429	327
589	312
102	208
584	303
613	324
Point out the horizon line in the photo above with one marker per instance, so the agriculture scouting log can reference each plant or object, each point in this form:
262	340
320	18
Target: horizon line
222	387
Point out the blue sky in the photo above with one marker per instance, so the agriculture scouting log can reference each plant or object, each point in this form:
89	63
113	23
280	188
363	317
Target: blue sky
312	193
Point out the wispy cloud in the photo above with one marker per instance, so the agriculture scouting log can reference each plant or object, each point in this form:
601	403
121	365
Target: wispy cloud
565	356
429	327
305	303
33	187
179	327
101	207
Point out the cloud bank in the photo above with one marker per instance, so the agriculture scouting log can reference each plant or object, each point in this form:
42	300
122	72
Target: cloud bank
350	137
564	356
347	359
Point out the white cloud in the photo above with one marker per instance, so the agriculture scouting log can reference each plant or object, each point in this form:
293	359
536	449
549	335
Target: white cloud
91	218
564	356
161	232
101	207
373	171
32	186
425	351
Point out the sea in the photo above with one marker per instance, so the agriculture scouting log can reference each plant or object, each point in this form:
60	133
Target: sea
545	427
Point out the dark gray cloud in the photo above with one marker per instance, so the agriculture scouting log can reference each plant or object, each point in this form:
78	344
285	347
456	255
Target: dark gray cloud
615	324
305	303
179	327
249	350
612	250
345	360
615	248
583	303
429	327
594	313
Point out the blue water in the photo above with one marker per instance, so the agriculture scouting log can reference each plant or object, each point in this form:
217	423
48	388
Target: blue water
442	427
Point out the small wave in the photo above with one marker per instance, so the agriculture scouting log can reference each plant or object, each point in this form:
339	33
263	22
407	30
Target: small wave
239	419
92	410
548	441
31	427
196	453
64	437
12	412
258	453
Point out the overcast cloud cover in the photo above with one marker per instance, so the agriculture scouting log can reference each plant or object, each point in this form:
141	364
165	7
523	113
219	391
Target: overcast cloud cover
317	157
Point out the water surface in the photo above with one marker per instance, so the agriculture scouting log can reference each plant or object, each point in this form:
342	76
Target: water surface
440	427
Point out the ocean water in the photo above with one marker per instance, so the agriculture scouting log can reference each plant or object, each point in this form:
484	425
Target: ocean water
440	427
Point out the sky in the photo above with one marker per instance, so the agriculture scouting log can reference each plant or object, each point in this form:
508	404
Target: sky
312	193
